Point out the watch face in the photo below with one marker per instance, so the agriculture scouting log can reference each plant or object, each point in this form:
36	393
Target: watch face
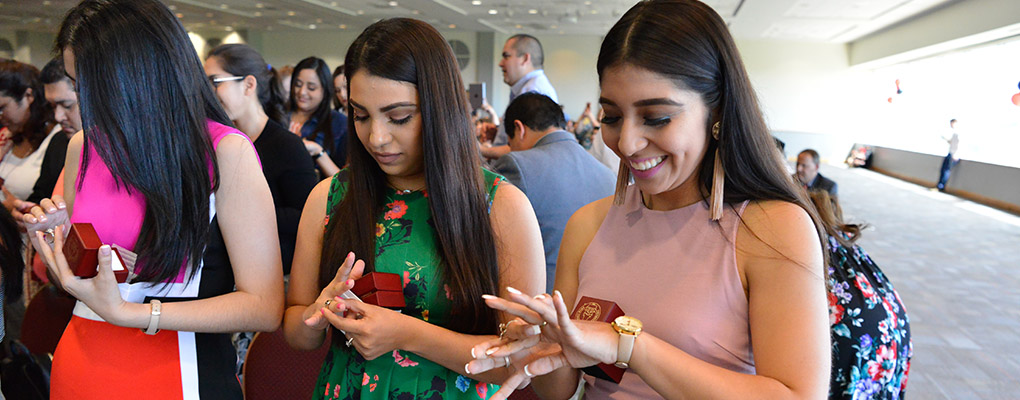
628	324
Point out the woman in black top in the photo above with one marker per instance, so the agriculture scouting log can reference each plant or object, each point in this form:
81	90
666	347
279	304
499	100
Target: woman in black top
248	90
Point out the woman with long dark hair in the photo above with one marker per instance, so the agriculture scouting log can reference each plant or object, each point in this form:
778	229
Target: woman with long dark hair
724	293
413	202
157	171
248	90
312	116
32	151
871	346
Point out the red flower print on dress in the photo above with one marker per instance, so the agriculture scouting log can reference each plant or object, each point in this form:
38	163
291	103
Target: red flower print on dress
482	389
364	380
407	278
401	361
835	310
865	286
379	230
336	390
397	209
327	390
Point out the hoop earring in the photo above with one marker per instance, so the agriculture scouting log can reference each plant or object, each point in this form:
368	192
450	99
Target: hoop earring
718	179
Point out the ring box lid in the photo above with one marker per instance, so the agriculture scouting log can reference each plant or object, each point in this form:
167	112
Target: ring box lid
377	281
81	249
388	299
593	309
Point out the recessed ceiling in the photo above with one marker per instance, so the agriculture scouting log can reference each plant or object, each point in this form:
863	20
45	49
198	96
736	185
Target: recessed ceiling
809	20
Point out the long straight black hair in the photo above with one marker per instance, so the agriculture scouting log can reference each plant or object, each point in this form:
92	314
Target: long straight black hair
322	111
409	50
145	102
242	60
687	42
15	80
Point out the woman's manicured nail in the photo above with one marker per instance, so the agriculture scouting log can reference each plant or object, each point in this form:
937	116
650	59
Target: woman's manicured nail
512	290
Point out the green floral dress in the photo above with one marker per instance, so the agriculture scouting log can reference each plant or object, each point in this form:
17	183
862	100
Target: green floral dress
406	246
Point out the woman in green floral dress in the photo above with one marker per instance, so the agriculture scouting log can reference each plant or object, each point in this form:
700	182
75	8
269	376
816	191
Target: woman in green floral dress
414	202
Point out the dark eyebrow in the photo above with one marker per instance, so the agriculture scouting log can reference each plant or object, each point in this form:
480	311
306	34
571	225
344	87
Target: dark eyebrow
661	101
398	105
356	105
656	102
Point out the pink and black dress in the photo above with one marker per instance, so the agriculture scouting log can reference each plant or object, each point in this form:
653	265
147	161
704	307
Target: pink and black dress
97	360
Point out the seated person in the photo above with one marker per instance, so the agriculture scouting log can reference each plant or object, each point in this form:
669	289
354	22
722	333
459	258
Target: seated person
551	168
808	176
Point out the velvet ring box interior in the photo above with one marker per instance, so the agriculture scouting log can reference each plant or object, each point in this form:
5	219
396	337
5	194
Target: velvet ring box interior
380	289
81	248
592	309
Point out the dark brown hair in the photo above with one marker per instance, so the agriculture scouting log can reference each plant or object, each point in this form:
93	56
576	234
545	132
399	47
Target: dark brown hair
242	60
687	42
831	216
15	80
412	51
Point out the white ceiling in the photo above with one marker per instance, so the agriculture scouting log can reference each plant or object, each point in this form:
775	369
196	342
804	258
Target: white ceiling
835	21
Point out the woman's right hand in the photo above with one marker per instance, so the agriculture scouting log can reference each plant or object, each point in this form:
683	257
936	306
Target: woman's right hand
350	271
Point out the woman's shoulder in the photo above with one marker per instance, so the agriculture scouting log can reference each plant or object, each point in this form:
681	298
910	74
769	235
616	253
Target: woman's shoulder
775	229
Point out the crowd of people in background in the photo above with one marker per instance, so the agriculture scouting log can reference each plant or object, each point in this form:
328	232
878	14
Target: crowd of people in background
256	197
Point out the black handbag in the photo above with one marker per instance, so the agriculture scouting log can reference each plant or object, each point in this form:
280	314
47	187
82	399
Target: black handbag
23	375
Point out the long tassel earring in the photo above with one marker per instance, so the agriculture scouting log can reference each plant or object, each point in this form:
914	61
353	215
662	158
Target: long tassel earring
718	179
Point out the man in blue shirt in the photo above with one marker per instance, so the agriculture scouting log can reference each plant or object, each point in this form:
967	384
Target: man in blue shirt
522	70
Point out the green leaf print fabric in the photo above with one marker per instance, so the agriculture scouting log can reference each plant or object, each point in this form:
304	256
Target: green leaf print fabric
406	246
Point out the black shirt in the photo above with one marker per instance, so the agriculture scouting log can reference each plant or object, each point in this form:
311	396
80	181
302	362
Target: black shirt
291	175
52	166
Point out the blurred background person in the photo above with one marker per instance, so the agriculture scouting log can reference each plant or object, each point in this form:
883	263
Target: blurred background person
31	164
313	118
247	89
340	84
871	340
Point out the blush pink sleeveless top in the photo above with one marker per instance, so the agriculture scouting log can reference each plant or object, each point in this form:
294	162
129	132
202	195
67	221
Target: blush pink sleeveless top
676	271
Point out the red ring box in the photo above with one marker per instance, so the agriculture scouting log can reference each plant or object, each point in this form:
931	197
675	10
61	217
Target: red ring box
592	309
81	249
380	289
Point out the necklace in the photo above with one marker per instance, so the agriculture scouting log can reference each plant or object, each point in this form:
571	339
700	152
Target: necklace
405	192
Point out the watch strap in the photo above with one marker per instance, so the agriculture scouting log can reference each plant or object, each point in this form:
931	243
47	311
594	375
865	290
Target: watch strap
157	308
625	349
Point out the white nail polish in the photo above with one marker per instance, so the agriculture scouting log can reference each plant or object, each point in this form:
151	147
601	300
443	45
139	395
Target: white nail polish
512	290
473	353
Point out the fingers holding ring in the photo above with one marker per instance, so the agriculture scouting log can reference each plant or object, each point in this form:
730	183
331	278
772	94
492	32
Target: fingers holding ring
328	301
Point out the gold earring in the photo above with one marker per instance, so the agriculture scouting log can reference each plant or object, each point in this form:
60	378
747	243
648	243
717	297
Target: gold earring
718	179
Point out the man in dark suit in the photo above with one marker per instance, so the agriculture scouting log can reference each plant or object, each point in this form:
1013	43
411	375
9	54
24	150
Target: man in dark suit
807	173
551	168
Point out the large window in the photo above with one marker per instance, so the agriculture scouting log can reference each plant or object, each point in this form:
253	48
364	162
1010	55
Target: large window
973	85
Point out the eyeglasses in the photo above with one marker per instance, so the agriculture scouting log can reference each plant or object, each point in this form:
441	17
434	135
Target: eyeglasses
217	81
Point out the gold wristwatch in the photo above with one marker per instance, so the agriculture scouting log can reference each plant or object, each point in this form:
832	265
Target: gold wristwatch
629	328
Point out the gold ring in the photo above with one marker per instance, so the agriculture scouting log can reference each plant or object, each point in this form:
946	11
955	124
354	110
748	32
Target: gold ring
544	323
327	302
502	329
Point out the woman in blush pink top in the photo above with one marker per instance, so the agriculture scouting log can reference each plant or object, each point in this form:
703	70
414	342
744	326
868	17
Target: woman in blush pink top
713	253
157	171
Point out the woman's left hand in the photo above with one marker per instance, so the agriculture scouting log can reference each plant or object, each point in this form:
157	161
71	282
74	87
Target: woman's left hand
372	330
100	293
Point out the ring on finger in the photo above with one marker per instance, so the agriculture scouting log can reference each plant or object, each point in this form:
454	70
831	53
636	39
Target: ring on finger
502	329
506	361
327	302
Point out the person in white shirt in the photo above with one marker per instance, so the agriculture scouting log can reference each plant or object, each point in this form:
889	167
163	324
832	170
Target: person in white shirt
951	159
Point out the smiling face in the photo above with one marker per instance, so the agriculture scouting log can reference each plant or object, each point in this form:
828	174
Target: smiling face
308	91
15	113
387	120
659	131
